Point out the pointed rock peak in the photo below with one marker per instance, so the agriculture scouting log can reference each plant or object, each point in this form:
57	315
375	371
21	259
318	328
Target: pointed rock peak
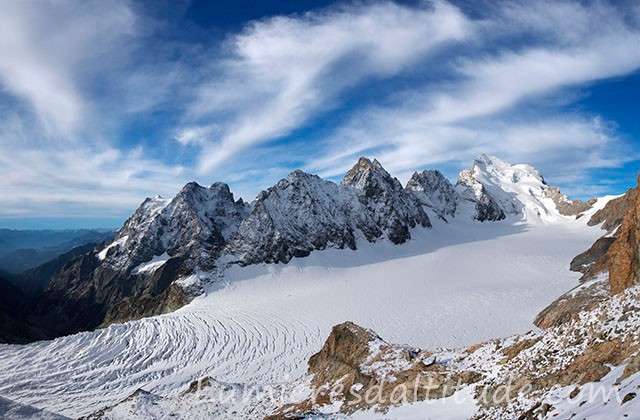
420	180
219	186
221	190
190	187
296	177
366	172
299	174
485	162
485	159
435	191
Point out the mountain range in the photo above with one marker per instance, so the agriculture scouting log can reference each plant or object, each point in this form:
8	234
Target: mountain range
260	285
169	248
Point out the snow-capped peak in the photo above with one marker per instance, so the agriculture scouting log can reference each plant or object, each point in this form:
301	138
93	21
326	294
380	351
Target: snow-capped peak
198	219
499	189
369	176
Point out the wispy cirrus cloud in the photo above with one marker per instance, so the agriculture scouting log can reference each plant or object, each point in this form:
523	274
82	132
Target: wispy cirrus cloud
70	76
282	71
506	101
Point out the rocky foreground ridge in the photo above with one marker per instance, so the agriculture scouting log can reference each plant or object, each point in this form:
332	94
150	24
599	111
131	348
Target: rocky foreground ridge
169	248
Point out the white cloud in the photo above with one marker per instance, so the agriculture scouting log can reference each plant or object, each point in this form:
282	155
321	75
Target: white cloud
482	107
69	74
84	180
43	49
282	71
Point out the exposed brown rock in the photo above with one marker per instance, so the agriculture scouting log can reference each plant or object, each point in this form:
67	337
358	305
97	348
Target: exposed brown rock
515	349
357	367
613	212
628	397
197	385
624	258
591	365
594	260
131	399
569	305
565	206
633	366
148	304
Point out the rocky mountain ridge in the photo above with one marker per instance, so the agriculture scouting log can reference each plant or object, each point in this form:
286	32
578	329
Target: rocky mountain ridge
203	230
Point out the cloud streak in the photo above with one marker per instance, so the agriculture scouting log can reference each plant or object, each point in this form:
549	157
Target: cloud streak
282	71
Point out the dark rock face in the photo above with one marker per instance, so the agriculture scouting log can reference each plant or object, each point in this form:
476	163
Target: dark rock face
469	189
86	294
594	260
381	205
301	213
13	326
435	191
32	282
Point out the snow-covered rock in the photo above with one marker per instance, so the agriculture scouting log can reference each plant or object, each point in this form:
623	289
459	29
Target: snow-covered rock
196	222
470	190
299	214
303	212
435	191
169	248
379	203
499	189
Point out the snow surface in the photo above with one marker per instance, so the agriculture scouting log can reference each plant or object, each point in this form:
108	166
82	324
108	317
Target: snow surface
602	400
117	243
460	405
152	265
450	286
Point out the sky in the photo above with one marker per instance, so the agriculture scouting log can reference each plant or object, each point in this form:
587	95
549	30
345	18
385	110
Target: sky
106	102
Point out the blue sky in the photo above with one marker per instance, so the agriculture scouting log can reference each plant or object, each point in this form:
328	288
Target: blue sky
103	103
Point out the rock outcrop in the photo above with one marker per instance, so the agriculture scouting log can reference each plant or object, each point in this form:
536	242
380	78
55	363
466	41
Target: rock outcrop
434	191
358	369
565	206
623	256
593	261
194	225
471	190
613	212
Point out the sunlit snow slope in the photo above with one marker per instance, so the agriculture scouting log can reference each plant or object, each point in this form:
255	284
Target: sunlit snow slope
453	285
